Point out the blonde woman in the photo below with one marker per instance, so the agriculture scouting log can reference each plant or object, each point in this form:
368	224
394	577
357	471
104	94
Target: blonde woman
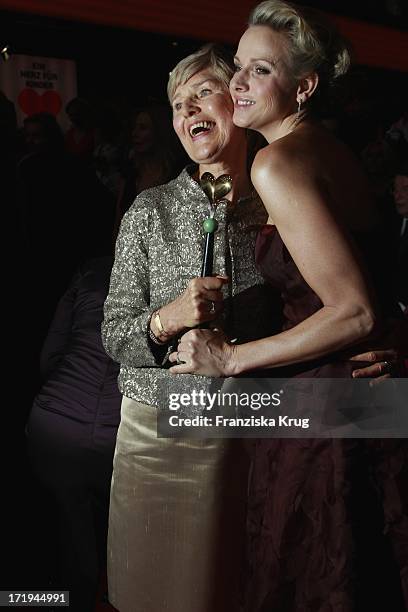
323	229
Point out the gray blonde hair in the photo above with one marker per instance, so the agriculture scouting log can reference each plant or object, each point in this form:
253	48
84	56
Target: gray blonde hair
314	44
211	56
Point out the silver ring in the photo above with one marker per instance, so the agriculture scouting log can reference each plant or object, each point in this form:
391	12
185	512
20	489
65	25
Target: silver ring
212	307
386	367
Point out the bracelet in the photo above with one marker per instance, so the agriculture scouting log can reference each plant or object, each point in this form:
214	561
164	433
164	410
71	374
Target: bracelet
152	337
156	317
159	324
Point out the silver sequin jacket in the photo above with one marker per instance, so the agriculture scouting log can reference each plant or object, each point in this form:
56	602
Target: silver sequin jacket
158	250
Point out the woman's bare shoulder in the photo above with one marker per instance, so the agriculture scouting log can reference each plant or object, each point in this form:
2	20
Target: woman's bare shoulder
285	160
314	163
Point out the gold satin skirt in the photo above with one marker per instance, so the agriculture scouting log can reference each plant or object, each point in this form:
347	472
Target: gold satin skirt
177	519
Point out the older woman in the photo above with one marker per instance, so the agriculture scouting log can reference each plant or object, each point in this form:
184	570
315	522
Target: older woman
321	224
177	506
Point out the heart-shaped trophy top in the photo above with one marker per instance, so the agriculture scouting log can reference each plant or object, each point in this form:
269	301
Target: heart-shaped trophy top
215	188
222	186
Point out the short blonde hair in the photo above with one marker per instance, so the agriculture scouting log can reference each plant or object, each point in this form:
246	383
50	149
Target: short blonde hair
210	56
314	44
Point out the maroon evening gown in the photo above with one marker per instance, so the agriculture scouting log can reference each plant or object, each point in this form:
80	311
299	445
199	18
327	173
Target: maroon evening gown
327	518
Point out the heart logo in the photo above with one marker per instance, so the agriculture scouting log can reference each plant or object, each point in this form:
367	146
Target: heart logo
215	188
31	102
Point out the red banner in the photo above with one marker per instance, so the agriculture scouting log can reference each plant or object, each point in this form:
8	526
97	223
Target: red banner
374	45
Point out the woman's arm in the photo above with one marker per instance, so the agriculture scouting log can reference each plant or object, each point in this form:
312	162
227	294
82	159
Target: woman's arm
127	309
326	259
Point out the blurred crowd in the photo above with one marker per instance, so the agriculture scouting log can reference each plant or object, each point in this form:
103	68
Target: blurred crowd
66	192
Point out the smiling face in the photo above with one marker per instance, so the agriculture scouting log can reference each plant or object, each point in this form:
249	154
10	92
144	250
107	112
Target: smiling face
202	119
263	92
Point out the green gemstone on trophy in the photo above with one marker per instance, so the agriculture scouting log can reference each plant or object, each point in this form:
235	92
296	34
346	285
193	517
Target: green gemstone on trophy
210	225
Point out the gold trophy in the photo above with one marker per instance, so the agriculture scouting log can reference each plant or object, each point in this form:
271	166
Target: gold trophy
215	189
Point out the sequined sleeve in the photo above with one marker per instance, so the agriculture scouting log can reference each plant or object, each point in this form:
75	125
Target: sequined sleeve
127	308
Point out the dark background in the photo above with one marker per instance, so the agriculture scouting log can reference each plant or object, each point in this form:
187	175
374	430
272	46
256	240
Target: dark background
132	66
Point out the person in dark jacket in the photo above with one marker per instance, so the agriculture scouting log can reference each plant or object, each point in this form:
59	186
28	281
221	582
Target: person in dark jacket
71	431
